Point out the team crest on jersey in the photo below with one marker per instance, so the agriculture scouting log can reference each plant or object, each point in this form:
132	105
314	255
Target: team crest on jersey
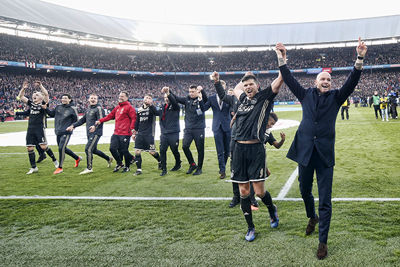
122	110
253	101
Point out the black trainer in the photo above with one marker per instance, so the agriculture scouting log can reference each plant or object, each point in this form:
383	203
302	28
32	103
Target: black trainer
191	168
138	172
163	173
126	169
118	167
176	167
41	158
235	201
198	172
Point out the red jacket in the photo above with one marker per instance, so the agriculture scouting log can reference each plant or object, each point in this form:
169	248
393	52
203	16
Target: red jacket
125	117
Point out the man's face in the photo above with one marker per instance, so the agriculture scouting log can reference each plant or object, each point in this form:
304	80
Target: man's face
37	97
250	87
271	122
65	100
148	100
122	97
93	100
375	92
323	82
193	93
230	92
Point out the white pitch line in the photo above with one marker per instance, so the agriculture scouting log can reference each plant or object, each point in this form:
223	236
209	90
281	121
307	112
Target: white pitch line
348	199
176	198
285	189
113	198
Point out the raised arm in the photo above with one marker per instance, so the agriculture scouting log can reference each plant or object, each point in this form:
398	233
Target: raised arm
43	90
290	81
277	84
348	87
21	96
180	100
201	91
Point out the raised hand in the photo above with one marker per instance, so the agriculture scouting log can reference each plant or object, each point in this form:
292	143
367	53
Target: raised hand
280	50
37	83
25	84
165	90
215	76
361	48
283	136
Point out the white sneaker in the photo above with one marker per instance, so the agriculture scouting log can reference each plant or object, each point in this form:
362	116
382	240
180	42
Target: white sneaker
55	164
86	171
109	162
32	170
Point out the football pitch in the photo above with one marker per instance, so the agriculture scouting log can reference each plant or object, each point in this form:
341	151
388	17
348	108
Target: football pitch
114	219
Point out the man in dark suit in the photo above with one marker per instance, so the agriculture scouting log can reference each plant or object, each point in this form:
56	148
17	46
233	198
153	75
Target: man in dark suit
313	147
221	129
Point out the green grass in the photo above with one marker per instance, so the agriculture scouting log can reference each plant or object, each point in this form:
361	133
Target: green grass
205	233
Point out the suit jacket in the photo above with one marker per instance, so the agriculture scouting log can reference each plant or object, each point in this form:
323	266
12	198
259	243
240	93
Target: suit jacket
317	128
221	117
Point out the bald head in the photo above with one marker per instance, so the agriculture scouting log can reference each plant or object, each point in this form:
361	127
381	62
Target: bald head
323	82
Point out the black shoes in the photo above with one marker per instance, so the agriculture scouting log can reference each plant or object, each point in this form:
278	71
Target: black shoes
118	167
311	225
222	175
163	173
191	169
198	171
176	167
322	251
235	201
126	169
41	158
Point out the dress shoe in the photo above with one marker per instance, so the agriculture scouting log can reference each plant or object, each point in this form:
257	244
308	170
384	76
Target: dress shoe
322	251
222	175
311	225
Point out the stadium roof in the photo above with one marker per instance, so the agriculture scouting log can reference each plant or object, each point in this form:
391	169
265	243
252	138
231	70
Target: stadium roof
58	17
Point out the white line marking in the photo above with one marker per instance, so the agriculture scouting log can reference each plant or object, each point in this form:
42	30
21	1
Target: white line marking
285	189
344	199
174	198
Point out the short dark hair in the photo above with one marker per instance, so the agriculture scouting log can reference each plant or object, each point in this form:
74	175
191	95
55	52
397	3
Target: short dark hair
273	116
193	87
67	95
248	77
125	92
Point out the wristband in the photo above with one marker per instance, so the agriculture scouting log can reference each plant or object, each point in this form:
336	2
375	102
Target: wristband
281	61
359	64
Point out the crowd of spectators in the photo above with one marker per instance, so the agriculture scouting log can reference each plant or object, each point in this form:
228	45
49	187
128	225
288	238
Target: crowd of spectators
80	85
107	87
47	52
